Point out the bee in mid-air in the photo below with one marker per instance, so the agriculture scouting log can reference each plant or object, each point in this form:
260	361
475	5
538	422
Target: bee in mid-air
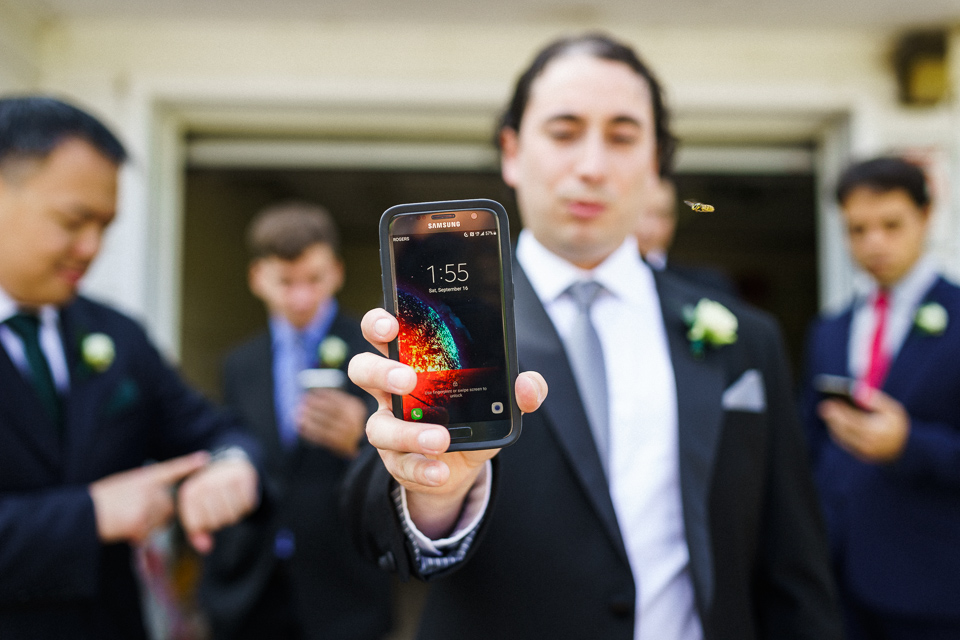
699	206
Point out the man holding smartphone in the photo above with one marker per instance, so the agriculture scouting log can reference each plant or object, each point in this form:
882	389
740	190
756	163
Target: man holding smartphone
888	464
293	574
670	501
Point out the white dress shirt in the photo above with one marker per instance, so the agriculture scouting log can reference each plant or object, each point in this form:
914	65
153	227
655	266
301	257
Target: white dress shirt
50	341
905	296
644	467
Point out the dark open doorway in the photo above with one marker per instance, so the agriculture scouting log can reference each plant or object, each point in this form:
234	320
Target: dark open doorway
763	235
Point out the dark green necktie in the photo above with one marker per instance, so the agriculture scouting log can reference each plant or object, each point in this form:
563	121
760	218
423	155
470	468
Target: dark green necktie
27	326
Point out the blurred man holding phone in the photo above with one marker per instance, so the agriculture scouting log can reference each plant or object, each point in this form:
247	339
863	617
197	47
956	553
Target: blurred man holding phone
293	574
888	463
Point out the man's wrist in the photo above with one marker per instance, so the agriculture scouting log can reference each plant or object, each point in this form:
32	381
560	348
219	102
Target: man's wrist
469	511
231	452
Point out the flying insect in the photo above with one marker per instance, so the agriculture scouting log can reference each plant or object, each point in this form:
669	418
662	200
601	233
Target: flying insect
699	206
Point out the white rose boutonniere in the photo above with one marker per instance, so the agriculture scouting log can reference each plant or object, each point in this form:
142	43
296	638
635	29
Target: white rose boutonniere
710	323
98	351
332	352
931	319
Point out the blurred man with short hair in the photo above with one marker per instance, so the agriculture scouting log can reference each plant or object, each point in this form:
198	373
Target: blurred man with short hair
87	400
888	464
293	574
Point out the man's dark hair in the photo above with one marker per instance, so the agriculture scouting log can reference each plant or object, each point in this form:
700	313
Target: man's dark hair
286	229
606	48
883	175
31	127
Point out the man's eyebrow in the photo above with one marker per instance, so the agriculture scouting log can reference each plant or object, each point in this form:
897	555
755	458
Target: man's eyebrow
630	120
82	212
564	117
573	119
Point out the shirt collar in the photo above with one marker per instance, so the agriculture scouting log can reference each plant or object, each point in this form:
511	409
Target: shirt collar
10	308
550	275
911	288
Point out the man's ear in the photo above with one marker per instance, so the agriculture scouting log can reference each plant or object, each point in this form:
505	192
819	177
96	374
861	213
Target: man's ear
255	278
509	147
341	274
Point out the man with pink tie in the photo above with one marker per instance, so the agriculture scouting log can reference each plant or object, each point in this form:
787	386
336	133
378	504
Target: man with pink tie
888	462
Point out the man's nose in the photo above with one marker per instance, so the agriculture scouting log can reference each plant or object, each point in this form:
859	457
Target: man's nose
593	163
88	242
302	295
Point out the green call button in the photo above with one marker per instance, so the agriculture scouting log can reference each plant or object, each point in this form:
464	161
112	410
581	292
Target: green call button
416	414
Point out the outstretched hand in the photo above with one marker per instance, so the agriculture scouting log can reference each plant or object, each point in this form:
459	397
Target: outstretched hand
413	452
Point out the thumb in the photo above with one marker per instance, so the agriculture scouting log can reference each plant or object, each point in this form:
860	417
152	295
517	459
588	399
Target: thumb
202	542
173	470
882	402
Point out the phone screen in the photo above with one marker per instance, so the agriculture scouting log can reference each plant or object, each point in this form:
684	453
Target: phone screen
449	301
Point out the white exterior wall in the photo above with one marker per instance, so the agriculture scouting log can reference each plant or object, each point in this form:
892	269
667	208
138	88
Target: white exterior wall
19	50
151	79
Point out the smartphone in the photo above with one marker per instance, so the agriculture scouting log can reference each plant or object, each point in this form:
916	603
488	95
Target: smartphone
838	388
447	278
321	379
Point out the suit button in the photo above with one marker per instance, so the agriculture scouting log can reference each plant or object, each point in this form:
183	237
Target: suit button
387	562
621	607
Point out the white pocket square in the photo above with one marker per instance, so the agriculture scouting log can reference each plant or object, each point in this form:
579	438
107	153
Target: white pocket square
746	394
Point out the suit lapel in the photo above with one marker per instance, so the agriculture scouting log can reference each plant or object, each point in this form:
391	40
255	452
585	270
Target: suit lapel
540	349
915	354
259	388
21	409
83	403
700	386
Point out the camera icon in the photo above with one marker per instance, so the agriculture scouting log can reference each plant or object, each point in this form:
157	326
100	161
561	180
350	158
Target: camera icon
497	407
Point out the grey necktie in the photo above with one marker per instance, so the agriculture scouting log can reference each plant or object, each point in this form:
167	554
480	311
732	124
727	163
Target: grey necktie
586	358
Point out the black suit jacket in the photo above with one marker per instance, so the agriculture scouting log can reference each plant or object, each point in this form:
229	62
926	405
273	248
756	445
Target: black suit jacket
549	561
56	579
337	593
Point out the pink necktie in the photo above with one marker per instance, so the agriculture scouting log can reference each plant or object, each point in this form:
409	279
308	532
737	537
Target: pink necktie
879	358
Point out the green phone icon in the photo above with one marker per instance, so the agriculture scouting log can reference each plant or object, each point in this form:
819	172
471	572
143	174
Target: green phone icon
416	414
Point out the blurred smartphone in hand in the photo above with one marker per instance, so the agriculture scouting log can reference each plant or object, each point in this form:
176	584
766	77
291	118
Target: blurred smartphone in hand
321	379
838	388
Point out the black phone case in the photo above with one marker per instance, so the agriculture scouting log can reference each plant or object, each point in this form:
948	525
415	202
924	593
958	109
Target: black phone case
510	329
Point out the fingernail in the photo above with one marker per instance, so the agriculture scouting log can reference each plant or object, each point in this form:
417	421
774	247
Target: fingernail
431	440
432	474
382	326
401	378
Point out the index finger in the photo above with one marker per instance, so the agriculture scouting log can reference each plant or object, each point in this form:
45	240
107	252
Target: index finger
379	328
173	470
380	377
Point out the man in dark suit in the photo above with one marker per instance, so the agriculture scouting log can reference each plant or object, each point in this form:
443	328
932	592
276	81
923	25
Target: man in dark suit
87	399
293	572
672	501
888	465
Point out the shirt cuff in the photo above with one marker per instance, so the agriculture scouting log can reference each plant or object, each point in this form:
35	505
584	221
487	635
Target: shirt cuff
474	507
